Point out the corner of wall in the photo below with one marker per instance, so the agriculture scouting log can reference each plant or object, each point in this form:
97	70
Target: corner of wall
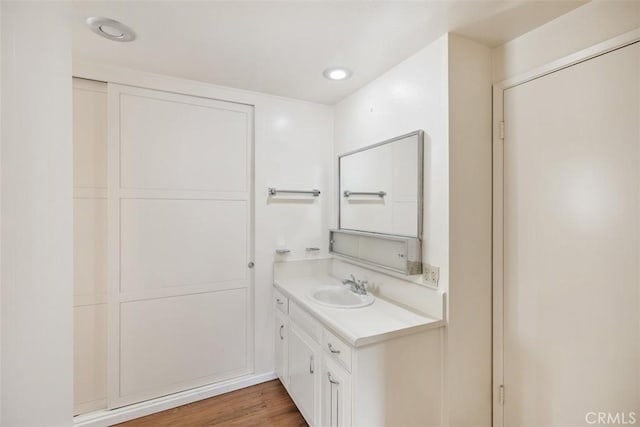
1	139
36	283
579	29
468	362
445	89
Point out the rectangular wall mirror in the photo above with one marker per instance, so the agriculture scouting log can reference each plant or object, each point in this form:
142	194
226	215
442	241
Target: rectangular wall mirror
381	192
381	187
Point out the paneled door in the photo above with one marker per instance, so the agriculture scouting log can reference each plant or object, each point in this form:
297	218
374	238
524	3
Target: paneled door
571	314
180	243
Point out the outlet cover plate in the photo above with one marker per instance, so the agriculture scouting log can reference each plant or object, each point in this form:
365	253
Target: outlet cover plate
431	274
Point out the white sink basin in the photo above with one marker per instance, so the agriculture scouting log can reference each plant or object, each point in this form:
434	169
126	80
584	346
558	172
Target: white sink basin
336	297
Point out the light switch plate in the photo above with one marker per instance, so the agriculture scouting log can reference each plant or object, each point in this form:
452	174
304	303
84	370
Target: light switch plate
431	274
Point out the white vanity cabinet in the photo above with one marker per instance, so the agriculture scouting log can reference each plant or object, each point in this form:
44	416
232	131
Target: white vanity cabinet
281	304
318	385
304	373
282	348
338	379
335	395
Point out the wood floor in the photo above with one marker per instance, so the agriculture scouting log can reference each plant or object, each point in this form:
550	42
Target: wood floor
266	404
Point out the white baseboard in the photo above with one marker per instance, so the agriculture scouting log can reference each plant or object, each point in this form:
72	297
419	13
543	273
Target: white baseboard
91	406
106	418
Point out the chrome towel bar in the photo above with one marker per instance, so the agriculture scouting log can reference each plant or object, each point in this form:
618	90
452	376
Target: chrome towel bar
348	193
273	191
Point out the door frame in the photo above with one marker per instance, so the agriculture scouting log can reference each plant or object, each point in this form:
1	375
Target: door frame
498	194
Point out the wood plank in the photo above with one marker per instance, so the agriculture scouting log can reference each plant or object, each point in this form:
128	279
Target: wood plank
266	404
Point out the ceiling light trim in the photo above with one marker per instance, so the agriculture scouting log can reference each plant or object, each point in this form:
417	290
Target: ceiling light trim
337	73
104	27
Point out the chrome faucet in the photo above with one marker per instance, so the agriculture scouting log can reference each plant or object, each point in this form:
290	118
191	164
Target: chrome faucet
357	286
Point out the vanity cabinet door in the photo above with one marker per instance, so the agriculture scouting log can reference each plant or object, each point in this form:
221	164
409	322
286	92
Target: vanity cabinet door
281	348
304	373
335	395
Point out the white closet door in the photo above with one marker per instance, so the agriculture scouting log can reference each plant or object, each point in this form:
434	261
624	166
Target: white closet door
180	289
572	244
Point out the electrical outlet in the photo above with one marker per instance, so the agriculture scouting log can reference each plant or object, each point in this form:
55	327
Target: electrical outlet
431	274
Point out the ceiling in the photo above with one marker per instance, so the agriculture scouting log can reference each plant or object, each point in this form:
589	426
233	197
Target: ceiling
282	47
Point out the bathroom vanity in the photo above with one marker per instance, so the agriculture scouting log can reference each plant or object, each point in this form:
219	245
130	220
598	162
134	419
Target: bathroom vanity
346	357
374	365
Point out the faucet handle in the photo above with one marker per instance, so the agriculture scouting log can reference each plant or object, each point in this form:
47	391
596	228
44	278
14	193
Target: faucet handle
361	287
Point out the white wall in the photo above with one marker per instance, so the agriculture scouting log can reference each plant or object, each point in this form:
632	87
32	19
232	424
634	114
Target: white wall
468	360
292	151
1	91
579	29
410	96
36	189
445	89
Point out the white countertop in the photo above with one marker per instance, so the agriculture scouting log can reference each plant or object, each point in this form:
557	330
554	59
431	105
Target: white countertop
377	322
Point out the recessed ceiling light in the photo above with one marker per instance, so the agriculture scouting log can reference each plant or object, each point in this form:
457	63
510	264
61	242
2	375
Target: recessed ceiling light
337	73
111	29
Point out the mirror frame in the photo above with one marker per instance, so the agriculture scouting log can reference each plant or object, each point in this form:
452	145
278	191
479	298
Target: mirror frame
420	166
412	252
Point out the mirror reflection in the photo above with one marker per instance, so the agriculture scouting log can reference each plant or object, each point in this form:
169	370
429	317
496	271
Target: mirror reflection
381	187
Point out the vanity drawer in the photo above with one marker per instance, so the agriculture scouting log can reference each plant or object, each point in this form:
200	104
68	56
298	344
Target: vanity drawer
305	321
337	349
280	301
